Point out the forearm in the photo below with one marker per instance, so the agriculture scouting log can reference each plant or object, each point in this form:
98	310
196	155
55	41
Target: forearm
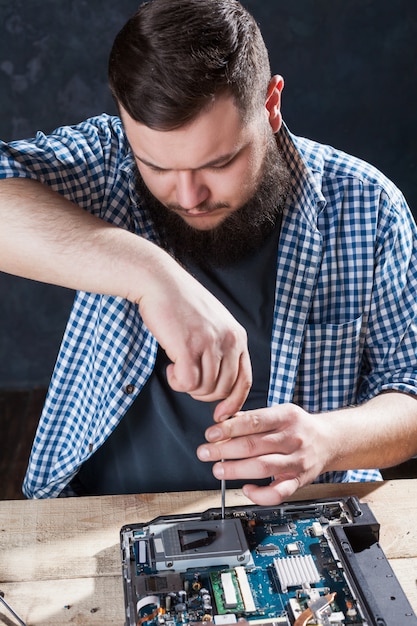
379	433
45	237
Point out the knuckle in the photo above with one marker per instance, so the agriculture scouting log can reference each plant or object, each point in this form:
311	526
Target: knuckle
265	468
299	464
294	411
235	336
227	429
251	446
255	422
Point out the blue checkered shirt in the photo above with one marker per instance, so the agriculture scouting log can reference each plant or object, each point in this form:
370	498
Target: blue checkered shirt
345	315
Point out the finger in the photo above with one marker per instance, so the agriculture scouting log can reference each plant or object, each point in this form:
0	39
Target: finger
256	468
275	493
246	423
261	468
233	383
248	447
234	400
183	375
218	376
278	417
231	388
213	376
240	424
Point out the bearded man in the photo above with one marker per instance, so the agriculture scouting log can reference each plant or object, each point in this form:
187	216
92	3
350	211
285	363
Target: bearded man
227	270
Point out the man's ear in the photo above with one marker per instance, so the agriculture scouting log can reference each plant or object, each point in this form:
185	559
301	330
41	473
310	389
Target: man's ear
273	102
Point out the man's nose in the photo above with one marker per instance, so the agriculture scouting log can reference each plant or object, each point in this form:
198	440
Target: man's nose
190	189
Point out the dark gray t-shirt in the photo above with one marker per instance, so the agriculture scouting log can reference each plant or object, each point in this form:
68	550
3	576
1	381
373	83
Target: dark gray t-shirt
153	449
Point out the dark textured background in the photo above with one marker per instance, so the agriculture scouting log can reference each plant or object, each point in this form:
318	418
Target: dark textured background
350	70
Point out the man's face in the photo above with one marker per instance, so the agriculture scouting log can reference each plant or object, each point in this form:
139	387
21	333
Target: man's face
206	170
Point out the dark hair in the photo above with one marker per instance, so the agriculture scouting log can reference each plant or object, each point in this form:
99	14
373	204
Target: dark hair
173	57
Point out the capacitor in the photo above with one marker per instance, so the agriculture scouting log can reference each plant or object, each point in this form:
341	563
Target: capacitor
182	595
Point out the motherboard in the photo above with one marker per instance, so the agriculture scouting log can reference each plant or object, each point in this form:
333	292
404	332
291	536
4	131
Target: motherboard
291	565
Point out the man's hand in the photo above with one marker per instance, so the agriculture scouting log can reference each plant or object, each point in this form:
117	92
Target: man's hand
293	447
207	346
281	442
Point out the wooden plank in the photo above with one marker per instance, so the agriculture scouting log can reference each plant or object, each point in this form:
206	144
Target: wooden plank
95	601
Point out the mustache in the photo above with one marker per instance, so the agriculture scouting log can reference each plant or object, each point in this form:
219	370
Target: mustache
203	207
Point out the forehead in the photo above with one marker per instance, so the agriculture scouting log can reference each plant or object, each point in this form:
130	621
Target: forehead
218	130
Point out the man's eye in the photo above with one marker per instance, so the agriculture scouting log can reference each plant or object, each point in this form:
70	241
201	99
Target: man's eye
220	167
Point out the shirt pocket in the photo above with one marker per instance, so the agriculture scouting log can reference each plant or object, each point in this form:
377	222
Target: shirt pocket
329	366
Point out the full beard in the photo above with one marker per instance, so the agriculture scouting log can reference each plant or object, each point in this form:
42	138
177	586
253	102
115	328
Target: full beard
239	234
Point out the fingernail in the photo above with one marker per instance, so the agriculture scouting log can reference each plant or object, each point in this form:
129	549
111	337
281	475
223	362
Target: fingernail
214	434
203	454
218	470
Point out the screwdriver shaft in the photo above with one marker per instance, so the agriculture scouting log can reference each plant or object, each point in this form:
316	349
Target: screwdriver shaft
223	492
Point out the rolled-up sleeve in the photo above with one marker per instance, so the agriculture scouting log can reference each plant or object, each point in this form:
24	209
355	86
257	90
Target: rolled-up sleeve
80	162
390	357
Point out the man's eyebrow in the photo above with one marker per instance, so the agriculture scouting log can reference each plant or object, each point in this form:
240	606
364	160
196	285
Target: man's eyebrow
220	160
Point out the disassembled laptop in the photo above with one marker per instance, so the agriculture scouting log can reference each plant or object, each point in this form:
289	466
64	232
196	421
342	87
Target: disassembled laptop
317	563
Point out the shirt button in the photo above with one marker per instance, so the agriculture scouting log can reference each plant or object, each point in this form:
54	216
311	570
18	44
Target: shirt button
129	389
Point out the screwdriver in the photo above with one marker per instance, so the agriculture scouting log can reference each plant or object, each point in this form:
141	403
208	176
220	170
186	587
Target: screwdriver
223	495
222	484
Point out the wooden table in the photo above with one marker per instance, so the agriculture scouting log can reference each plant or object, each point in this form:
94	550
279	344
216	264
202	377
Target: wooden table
60	560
